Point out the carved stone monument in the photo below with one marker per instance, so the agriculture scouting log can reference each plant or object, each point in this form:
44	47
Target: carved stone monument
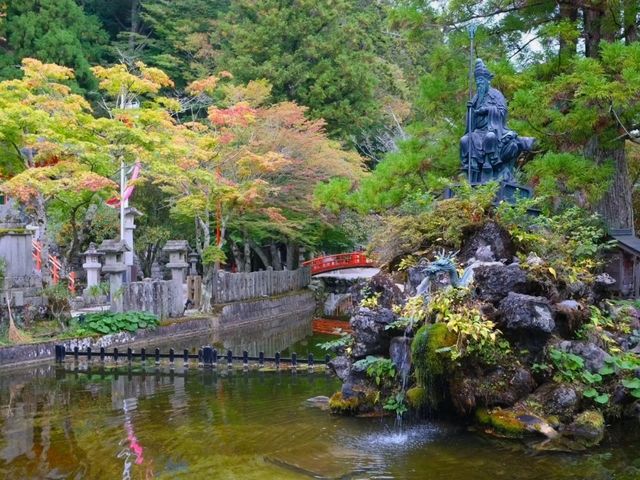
489	150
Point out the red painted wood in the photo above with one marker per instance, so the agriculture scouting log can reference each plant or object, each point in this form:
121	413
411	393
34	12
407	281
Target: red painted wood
329	263
331	327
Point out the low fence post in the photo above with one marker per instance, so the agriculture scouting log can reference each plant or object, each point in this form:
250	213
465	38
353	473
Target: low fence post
207	356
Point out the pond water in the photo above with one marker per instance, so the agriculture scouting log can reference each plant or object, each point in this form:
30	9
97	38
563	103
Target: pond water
142	423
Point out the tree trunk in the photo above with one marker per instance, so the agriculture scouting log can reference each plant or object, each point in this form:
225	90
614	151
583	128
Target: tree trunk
592	17
261	254
567	47
237	257
616	206
247	254
630	15
292	256
276	261
135	18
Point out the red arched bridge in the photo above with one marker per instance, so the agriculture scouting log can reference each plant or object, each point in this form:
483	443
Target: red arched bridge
329	263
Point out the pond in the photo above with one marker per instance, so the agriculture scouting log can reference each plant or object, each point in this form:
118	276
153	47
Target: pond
153	422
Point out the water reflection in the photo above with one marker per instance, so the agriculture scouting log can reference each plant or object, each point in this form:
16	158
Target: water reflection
139	423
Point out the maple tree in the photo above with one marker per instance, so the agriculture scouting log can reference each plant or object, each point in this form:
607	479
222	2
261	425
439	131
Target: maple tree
45	135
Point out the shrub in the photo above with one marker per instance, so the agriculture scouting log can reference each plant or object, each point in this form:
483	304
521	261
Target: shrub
107	322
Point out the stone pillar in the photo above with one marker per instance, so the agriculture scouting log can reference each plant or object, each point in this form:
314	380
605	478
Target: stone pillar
114	266
92	266
130	215
177	250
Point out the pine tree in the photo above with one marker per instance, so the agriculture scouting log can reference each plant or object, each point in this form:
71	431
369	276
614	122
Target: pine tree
54	31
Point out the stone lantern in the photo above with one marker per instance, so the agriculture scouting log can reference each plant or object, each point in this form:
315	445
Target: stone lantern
92	266
177	250
193	260
115	267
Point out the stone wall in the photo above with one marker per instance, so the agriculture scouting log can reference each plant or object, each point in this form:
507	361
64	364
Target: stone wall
232	287
153	296
172	334
270	324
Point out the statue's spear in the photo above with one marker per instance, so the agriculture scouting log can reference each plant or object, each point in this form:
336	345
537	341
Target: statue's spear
471	28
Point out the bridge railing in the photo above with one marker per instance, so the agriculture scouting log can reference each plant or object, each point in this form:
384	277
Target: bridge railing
329	263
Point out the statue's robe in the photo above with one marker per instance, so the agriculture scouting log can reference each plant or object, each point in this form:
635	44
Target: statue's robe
489	134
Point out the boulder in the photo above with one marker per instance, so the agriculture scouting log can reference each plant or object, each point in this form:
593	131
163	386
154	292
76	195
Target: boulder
381	284
524	312
320	402
400	354
493	282
489	236
557	399
586	431
570	315
341	367
370	336
499	387
594	357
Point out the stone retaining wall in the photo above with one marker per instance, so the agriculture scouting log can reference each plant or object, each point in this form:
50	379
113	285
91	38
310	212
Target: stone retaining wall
45	351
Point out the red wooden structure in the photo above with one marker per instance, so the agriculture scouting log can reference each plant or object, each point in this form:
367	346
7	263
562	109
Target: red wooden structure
329	263
331	327
54	264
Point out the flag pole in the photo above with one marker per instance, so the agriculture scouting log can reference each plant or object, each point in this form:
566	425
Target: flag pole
472	33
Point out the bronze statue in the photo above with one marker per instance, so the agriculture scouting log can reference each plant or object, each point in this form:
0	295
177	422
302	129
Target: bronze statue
489	150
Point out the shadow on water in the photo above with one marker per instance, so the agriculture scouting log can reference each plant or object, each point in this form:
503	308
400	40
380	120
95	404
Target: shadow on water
154	422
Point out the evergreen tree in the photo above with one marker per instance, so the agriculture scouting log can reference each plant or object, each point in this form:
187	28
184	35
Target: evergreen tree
56	31
329	55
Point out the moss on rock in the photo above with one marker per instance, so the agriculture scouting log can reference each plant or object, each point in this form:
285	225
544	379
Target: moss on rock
416	397
344	406
502	422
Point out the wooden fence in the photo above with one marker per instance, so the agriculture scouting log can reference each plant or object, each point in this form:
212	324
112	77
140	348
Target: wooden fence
206	357
232	287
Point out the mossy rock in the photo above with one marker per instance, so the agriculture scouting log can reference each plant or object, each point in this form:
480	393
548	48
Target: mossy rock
429	339
344	406
504	423
416	397
586	431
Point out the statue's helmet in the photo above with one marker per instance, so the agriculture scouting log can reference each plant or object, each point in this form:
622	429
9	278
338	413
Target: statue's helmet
481	71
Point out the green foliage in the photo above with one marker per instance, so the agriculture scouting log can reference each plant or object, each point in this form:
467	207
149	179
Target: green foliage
345	341
322	54
371	301
54	31
571	244
382	370
101	288
213	254
568	178
440	224
570	368
106	322
396	403
58	297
